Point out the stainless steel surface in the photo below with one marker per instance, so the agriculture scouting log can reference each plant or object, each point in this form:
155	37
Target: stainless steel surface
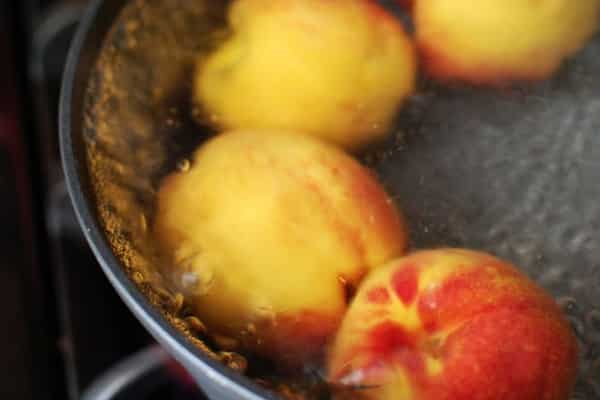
126	374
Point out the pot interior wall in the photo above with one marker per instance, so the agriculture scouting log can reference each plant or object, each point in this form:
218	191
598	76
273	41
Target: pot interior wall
513	172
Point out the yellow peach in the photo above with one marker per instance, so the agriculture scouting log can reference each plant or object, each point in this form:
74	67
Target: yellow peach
501	41
266	233
338	70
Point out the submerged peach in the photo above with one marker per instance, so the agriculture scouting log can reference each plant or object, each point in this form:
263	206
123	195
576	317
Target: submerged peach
452	325
338	70
501	41
267	232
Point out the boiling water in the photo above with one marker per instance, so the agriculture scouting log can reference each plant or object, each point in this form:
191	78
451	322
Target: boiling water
515	173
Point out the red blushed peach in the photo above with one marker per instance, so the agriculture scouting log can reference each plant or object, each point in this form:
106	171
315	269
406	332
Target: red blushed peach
338	70
501	41
453	325
407	4
266	233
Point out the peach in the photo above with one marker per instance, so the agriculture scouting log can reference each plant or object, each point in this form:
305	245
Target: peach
268	231
501	41
407	4
453	325
338	70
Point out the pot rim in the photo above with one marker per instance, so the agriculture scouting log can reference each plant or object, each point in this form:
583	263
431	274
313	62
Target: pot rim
205	370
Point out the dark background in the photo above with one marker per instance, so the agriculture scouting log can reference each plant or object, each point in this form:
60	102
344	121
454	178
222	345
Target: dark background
61	324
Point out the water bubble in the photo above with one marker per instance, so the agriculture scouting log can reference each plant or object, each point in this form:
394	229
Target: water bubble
138	277
234	361
353	378
578	396
206	281
568	305
132	43
196	325
184	166
226	343
265	312
132	26
189	280
143	223
592	320
198	281
196	113
178	301
578	327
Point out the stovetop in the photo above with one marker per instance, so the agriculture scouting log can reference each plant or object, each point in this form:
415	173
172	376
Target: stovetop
72	331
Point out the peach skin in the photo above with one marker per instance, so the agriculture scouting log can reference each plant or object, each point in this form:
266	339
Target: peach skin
407	4
338	70
497	42
268	232
453	325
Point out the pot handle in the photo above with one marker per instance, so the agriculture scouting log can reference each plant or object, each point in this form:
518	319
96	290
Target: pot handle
128	373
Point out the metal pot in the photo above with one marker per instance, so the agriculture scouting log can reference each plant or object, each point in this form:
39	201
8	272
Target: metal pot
515	173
